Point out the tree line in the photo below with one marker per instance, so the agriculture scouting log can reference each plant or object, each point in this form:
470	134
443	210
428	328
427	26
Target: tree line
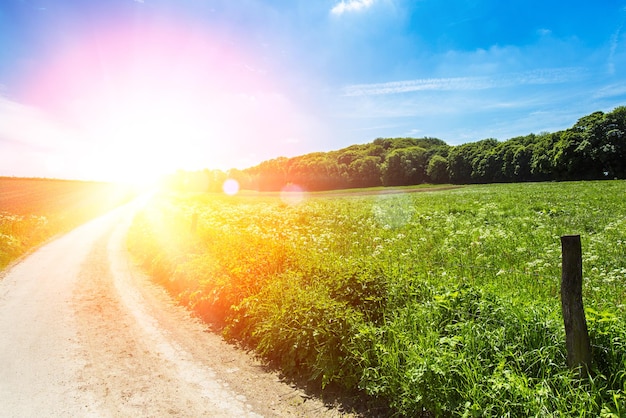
594	148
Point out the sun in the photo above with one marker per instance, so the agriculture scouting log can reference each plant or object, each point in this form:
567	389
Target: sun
143	101
141	135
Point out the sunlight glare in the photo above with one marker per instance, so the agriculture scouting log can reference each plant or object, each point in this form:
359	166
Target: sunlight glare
292	194
231	187
393	211
157	107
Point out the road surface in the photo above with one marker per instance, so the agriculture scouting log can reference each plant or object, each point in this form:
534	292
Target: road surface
84	334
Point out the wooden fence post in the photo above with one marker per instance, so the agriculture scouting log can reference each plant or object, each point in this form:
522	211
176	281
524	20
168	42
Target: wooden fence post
576	334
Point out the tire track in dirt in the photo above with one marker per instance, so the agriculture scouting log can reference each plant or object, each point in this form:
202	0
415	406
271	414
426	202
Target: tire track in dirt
131	366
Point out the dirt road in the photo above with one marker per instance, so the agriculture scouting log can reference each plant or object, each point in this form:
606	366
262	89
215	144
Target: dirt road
83	333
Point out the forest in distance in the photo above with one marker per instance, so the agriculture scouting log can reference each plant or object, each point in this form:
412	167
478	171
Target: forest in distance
594	148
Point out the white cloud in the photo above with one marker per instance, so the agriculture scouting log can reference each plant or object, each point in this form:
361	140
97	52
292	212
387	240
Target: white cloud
405	86
615	38
610	91
351	6
536	77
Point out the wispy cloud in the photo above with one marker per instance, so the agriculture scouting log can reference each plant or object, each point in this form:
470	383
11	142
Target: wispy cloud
351	6
613	47
610	91
536	77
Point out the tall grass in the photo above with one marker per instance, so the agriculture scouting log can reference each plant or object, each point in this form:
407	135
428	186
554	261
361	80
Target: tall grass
444	302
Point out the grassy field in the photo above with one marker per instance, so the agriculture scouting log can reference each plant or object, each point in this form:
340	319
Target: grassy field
443	301
33	210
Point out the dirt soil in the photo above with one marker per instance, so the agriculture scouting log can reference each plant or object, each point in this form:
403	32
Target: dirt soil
85	333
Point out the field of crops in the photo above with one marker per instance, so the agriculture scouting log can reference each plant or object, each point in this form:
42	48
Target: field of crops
33	210
444	301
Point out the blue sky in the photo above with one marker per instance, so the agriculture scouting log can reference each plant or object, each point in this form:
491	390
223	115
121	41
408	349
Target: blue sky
126	88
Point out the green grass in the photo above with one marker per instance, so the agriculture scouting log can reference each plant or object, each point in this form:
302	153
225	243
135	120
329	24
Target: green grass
443	301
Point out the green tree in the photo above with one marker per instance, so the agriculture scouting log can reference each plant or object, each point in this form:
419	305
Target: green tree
404	166
521	163
460	164
472	162
437	170
615	157
541	164
271	175
365	172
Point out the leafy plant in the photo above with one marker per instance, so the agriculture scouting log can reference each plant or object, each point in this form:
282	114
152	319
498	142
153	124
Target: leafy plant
444	302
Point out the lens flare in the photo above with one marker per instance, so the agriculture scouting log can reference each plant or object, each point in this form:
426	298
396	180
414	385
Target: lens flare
132	101
292	194
231	187
393	211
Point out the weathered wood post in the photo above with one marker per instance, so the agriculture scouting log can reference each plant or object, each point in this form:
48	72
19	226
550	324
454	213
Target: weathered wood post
576	334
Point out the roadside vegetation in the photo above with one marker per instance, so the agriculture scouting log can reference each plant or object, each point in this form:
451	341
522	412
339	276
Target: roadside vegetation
33	210
443	301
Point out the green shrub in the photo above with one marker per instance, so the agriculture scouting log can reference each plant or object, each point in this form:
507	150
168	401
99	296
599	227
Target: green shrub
300	327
